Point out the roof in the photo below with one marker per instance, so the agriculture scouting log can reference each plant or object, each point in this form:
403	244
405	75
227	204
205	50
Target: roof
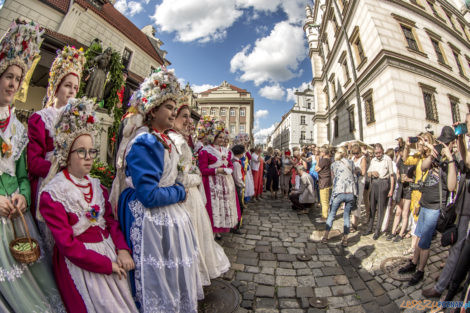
59	5
234	88
111	15
65	40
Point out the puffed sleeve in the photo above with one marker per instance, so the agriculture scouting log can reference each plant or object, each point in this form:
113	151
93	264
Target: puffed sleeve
229	159
204	164
113	225
145	164
36	150
73	249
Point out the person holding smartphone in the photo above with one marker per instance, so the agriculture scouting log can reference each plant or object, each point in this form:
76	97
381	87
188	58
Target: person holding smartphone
441	179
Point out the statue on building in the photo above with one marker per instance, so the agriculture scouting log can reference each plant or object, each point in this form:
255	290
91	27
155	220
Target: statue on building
97	78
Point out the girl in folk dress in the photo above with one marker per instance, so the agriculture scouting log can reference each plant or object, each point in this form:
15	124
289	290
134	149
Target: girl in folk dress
257	167
212	262
91	257
64	81
154	219
23	288
216	168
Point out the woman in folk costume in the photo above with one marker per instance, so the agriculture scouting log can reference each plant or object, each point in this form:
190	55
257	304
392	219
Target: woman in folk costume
257	168
23	288
64	82
151	210
244	139
216	168
91	256
212	259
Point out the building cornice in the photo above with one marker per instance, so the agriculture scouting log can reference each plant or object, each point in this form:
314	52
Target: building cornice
389	58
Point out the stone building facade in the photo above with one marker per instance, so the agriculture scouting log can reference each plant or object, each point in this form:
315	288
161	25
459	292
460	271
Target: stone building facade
231	104
385	69
296	128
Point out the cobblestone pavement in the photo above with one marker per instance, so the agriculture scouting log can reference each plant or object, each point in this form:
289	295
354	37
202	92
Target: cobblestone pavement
270	278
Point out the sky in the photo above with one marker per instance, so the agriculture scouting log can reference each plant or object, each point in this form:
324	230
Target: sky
257	45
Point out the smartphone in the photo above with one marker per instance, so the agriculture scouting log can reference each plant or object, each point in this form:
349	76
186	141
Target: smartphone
461	129
438	148
413	139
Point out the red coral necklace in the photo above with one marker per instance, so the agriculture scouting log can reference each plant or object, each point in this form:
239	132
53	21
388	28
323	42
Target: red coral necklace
4	123
88	196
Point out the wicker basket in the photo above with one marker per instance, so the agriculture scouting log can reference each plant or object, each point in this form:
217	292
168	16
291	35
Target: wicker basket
28	256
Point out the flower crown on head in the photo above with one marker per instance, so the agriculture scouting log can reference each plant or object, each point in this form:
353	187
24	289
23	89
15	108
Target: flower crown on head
68	61
76	119
160	86
20	45
210	128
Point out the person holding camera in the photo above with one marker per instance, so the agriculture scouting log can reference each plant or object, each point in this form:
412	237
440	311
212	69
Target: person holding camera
381	187
462	205
441	179
273	163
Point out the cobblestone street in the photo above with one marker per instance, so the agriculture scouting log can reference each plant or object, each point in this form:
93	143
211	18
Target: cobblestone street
270	278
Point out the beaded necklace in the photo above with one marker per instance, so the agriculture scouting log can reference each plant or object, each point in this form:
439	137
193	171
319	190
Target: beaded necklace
87	196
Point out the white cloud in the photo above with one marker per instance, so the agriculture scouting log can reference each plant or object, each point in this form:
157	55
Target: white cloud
262	134
201	88
290	91
202	20
261	113
273	58
294	9
130	8
273	92
260	5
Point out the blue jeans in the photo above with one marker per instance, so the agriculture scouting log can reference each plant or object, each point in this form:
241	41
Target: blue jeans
426	226
348	199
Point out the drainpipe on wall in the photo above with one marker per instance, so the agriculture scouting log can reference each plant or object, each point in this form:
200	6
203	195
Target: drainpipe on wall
351	59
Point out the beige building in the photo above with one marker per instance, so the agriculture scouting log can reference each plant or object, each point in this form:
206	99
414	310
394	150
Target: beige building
231	104
384	69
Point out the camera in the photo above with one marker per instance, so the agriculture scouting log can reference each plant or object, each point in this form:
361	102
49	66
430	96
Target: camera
413	139
437	161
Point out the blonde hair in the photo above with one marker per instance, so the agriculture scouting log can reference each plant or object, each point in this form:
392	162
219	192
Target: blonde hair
340	153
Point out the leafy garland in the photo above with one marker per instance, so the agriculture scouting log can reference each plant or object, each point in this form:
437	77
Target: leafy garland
114	78
104	172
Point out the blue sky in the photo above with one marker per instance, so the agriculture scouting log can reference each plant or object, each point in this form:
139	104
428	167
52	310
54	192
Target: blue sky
258	45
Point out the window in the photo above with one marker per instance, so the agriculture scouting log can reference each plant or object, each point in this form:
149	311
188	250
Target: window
242	112
355	40
347	78
429	102
457	60
328	132
336	127
232	112
468	107
302	120
242	128
223	111
464	29
126	58
309	104
410	38
449	16
232	128
325	41
369	107
433	8
334	22
302	135
352	126
437	49
333	89
454	108
212	111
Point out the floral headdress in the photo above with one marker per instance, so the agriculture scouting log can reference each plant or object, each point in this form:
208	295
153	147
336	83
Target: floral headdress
160	86
68	61
242	139
20	45
75	120
210	128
